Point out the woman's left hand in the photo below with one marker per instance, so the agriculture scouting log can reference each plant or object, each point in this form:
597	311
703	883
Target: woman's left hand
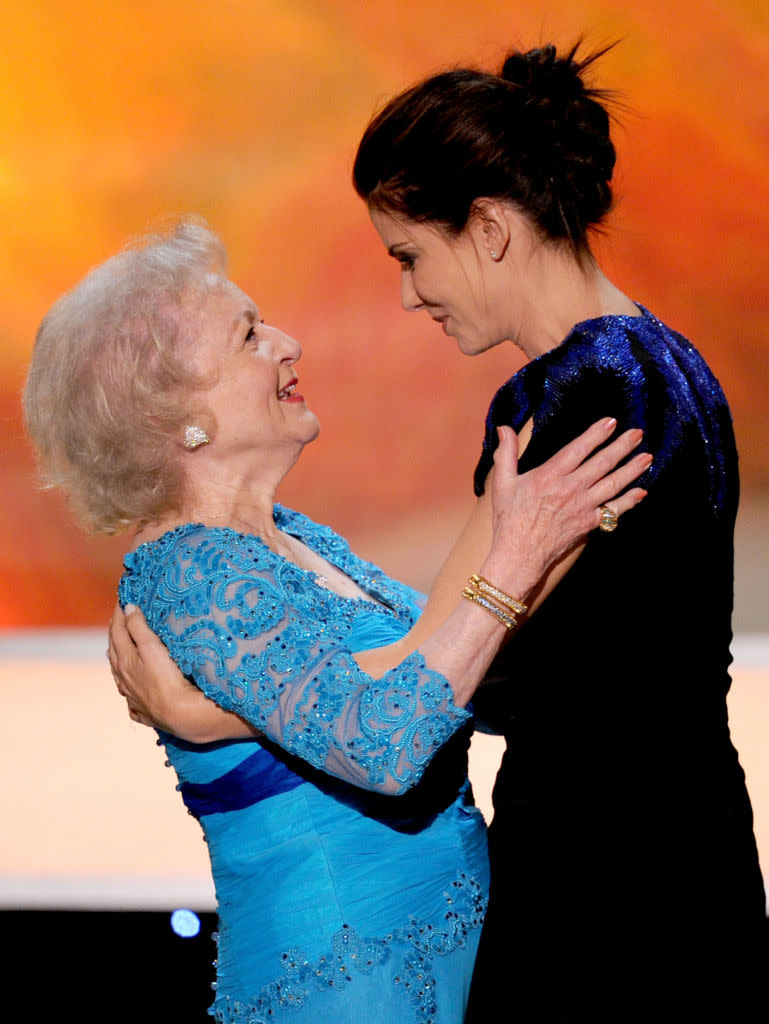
540	515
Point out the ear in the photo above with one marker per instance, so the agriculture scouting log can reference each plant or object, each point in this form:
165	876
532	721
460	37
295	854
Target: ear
490	224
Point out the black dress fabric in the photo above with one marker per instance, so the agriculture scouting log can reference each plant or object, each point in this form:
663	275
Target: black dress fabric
625	877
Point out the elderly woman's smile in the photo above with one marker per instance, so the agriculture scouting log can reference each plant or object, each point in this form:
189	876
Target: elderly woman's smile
253	394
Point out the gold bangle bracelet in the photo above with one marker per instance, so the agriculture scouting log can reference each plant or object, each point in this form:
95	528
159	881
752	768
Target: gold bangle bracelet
506	619
489	590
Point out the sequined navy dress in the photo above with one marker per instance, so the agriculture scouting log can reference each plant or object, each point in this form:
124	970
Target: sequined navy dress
625	879
338	899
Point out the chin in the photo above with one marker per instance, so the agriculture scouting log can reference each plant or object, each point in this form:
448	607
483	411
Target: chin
313	429
476	346
470	346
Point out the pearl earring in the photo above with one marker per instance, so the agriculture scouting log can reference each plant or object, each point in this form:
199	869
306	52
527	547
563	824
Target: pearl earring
493	253
194	437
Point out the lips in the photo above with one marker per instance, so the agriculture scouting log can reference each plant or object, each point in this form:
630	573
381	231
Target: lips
287	390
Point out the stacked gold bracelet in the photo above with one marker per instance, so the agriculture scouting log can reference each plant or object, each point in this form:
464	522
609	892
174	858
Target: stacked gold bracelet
493	600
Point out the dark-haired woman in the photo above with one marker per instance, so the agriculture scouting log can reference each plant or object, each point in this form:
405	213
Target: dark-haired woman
625	878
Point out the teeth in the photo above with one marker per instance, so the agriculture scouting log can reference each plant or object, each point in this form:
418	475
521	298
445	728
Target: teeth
289	389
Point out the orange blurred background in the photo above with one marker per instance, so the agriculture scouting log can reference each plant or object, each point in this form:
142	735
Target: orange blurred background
114	116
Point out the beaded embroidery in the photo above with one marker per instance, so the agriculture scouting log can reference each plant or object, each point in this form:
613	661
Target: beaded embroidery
260	637
350	954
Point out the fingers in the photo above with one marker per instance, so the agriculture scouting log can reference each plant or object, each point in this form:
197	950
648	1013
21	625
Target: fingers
604	461
624	503
149	648
506	454
136	624
120	641
120	648
575	452
614	483
127	628
505	471
608	490
136	716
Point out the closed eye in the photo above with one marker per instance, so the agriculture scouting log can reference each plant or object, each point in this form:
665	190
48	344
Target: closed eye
404	258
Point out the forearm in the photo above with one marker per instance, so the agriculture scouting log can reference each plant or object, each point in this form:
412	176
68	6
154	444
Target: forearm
466	556
463	648
467	637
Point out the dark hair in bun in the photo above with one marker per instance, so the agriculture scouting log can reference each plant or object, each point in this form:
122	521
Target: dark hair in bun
536	135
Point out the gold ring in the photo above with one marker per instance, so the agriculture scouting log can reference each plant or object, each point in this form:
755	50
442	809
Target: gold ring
609	519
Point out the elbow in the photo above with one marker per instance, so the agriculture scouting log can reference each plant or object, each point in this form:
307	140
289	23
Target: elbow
397	782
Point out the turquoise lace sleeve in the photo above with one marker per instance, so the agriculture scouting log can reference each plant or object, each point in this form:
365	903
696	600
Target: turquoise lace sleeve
245	626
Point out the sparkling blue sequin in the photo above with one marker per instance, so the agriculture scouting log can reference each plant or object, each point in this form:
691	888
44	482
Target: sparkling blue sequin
618	361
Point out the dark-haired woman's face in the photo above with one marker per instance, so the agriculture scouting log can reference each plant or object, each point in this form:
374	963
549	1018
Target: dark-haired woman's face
447	276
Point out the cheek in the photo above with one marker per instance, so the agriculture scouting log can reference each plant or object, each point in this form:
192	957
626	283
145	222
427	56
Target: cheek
430	277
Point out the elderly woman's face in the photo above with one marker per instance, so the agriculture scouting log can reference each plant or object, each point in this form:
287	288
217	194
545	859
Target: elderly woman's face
254	397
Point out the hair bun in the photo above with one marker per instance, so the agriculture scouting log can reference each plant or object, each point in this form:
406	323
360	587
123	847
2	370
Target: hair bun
563	129
543	75
536	135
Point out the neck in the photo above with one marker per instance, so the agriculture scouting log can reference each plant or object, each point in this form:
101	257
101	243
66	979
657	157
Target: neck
559	293
217	494
245	513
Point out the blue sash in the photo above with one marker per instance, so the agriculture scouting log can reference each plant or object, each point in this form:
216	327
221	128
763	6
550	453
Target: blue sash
260	776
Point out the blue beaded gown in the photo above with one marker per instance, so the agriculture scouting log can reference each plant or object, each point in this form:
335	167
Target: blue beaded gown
350	864
625	878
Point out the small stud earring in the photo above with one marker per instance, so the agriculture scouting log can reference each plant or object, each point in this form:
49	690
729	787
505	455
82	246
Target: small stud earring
194	437
493	253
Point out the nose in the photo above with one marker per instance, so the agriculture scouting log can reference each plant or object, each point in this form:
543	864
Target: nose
287	349
409	298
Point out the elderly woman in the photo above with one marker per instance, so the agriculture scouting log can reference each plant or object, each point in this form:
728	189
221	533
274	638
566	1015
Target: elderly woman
625	879
161	402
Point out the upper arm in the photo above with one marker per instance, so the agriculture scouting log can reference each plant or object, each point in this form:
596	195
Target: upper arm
232	624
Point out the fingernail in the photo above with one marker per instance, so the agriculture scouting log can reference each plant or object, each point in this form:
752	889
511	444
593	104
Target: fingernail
610	423
129	608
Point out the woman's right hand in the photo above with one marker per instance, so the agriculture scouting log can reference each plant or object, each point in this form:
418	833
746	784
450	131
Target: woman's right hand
540	515
537	518
156	692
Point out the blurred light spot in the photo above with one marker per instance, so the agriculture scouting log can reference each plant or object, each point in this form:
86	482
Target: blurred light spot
185	923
